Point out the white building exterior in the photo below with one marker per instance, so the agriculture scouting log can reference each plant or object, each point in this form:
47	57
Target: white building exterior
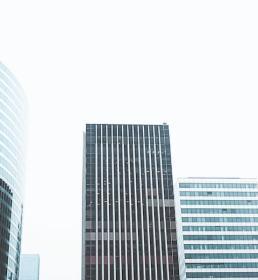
217	222
29	267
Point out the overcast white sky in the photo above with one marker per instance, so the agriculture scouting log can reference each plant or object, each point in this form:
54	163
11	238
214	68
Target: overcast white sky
192	64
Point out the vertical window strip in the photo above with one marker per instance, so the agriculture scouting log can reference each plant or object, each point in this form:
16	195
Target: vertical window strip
163	208
102	206
84	206
136	207
124	198
152	206
108	217
119	207
130	205
97	220
141	200
113	206
158	205
146	200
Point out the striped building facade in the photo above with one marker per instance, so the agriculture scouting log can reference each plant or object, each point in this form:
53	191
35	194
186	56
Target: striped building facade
217	228
128	228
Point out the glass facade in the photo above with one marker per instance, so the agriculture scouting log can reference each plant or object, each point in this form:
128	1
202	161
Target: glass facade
218	221
12	131
128	204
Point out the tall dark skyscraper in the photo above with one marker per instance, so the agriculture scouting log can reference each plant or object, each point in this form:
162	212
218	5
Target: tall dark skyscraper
128	227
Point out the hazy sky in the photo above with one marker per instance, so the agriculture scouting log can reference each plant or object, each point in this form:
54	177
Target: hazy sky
192	64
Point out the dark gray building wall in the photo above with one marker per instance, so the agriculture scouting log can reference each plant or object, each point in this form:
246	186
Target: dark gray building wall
128	203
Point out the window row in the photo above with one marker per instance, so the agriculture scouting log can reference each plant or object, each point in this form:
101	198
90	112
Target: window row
227	275
220	237
222	265
222	256
220	219
218	211
220	228
221	246
219	202
217	185
219	194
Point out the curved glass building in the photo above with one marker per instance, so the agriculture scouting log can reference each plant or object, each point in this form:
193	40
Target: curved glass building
12	146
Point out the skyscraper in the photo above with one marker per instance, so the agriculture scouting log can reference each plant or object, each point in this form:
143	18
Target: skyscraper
29	267
128	228
218	228
12	131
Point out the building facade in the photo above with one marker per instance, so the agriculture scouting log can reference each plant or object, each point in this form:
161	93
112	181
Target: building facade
217	228
12	131
128	228
29	267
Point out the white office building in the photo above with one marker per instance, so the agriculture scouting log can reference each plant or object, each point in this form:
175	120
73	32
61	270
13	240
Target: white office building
217	221
29	267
